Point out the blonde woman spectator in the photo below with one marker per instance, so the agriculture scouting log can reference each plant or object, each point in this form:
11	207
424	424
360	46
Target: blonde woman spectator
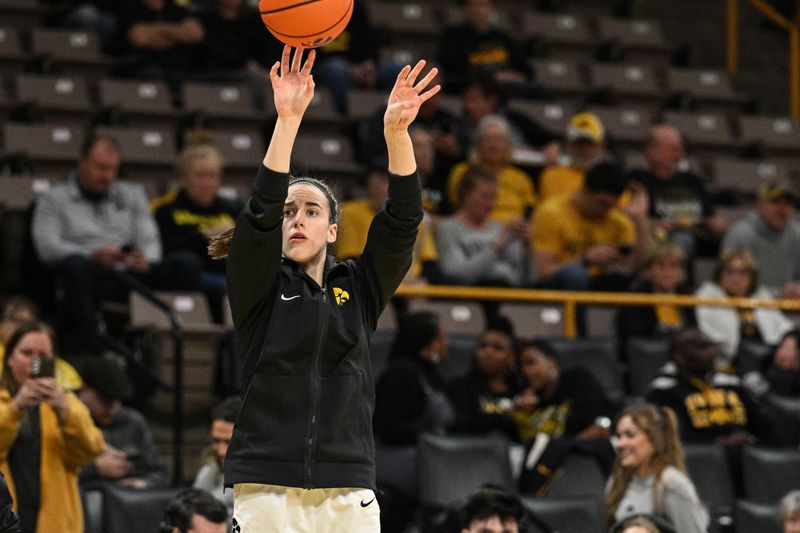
790	512
649	475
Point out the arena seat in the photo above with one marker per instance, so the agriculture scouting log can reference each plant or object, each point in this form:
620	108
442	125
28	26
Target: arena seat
707	134
785	411
19	192
742	178
708	468
645	357
636	40
632	85
774	135
460	354
21	14
73	51
321	116
534	320
47	150
362	104
56	99
562	78
12	56
328	155
599	356
565	514
760	517
769	473
221	105
134	511
454	316
563	36
242	149
404	22
705	89
138	103
627	127
553	116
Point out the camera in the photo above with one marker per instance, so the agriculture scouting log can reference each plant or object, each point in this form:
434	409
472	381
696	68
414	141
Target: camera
42	367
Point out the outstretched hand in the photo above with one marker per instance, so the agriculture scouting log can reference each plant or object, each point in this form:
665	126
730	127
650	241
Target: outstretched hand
407	97
293	88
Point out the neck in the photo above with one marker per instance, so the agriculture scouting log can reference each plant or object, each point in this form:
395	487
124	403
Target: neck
315	268
643	471
469	219
498	384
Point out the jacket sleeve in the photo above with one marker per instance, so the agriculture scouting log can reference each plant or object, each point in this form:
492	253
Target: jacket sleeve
390	244
255	253
46	232
681	505
9	424
82	440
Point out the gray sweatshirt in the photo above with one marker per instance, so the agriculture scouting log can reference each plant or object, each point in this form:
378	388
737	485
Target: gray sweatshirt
680	504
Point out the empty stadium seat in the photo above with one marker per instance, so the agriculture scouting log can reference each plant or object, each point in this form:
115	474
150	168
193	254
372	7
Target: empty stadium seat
224	106
627	127
454	316
321	115
139	103
47	150
757	517
599	356
134	511
553	116
636	40
242	151
645	356
362	104
92	503
148	154
564	36
330	154
633	85
578	476
561	78
22	14
753	356
785	411
57	99
705	133
565	514
743	178
405	22
708	468
769	473
19	192
12	56
451	468
75	51
531	320
775	135
705	89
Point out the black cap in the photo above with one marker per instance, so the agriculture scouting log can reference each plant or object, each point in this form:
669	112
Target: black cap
107	376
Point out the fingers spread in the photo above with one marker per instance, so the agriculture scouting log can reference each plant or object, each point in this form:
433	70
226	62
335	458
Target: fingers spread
297	60
412	77
309	63
287	51
427	79
429	93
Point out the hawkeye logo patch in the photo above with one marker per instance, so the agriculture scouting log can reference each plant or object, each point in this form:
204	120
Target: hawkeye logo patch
341	296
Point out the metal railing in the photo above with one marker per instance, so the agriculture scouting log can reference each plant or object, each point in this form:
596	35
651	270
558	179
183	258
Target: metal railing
569	300
792	26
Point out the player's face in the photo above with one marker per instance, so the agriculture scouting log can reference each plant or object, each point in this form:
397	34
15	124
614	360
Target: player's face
306	228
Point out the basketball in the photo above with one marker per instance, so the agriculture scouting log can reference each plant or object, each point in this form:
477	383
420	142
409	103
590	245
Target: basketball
306	23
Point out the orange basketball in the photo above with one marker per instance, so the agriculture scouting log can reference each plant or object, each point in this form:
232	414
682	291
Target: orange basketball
306	23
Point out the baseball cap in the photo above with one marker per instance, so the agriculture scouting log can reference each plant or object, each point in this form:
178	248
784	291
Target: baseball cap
586	126
107	376
775	190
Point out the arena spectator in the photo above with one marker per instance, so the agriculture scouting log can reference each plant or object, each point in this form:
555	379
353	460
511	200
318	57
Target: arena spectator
94	15
637	524
9	521
790	512
491	152
189	216
476	250
485	396
92	224
210	476
737	275
783	370
679	203
492	510
236	47
130	458
195	511
16	310
46	435
477	44
649	475
163	37
772	235
352	60
585	147
662	273
433	184
711	407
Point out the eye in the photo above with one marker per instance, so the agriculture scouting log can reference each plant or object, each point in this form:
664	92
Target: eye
312	212
288	212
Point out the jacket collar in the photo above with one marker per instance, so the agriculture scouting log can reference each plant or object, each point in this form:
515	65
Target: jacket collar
331	264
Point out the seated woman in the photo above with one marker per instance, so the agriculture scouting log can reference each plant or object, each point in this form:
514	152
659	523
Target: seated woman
790	512
189	216
662	273
485	396
46	435
649	475
736	275
476	250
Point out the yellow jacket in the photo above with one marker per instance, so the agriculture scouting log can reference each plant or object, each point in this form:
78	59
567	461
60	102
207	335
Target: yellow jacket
66	446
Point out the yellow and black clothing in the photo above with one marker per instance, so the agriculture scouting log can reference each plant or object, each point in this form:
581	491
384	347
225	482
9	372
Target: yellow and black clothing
181	223
63	447
709	408
463	49
576	403
514	191
481	411
560	228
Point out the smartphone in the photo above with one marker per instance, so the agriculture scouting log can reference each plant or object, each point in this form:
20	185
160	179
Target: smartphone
42	367
625	249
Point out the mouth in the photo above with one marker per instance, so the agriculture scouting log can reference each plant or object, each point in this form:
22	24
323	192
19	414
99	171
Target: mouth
297	237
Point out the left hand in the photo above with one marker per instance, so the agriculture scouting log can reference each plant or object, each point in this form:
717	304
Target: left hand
406	97
136	261
51	394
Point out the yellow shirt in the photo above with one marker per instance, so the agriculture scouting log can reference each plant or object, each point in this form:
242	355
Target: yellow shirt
557	180
514	191
559	228
353	229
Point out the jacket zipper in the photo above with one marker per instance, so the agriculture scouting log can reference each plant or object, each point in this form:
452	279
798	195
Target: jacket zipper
316	379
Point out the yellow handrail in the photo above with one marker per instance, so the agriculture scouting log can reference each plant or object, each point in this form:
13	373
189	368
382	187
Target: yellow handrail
791	26
570	299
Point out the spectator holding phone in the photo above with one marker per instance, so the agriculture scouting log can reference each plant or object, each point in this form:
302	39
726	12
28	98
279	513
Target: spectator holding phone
130	457
46	435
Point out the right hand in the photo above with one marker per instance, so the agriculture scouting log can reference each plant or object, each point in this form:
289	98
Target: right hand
293	88
27	396
786	355
113	464
108	255
602	255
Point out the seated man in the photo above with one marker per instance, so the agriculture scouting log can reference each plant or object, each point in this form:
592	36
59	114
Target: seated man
711	407
195	511
130	457
92	225
492	510
209	478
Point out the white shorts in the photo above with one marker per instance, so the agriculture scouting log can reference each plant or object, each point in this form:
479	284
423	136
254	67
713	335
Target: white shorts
261	508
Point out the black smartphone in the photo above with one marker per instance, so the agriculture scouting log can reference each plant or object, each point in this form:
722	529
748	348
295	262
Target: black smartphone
42	367
625	249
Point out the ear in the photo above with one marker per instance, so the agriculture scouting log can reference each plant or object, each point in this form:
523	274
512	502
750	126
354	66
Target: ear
332	233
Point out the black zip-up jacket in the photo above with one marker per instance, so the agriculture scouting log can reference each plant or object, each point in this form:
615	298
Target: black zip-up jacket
308	392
